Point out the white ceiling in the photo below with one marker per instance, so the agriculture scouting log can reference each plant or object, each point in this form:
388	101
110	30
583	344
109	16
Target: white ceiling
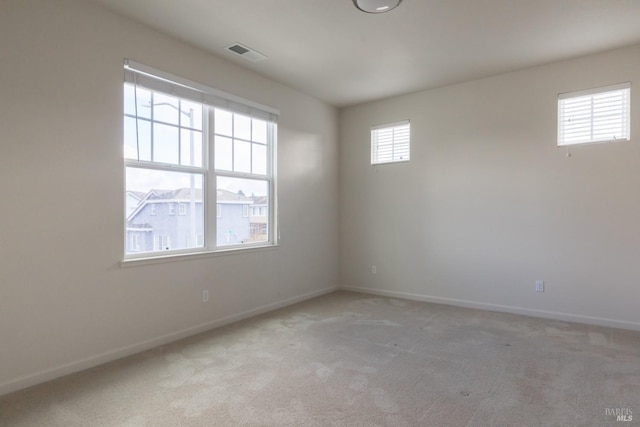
329	49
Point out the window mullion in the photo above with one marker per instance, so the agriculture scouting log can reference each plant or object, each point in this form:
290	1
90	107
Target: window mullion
180	114
592	115
272	209
243	175
211	199
152	127
233	141
163	166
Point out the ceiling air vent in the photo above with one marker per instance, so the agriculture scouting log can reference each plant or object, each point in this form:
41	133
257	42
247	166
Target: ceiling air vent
246	52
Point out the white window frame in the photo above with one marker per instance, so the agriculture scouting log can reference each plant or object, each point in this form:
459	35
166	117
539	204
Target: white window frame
182	209
397	149
595	115
162	82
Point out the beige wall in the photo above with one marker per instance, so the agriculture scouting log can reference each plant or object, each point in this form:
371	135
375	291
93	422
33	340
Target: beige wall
489	203
65	301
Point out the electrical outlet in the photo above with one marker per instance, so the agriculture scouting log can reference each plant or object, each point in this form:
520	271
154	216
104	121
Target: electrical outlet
539	286
205	295
374	270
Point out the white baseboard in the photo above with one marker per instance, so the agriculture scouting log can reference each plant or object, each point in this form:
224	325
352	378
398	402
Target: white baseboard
99	359
566	317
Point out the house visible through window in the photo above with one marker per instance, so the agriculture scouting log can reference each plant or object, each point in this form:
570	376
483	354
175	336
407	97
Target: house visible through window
595	115
162	243
135	242
390	143
181	138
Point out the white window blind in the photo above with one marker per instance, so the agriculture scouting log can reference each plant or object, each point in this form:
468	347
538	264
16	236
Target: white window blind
156	80
595	115
390	143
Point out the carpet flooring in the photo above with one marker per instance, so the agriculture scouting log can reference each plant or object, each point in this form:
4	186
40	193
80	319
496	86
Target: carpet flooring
349	359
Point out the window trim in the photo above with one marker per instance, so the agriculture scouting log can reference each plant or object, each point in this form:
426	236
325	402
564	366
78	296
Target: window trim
172	256
162	82
625	109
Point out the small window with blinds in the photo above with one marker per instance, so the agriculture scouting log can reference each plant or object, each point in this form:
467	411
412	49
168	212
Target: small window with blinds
390	143
595	115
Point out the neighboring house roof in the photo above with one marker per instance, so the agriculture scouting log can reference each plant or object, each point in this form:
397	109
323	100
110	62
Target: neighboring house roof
229	196
179	194
260	200
139	227
159	196
137	194
184	195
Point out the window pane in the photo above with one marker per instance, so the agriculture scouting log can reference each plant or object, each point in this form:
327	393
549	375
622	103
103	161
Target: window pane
165	143
129	100
165	108
224	153
155	221
223	122
236	222
259	159
259	133
241	127
143	98
241	156
191	114
191	148
135	140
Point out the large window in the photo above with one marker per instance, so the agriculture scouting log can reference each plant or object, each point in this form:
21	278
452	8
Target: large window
390	143
197	160
595	115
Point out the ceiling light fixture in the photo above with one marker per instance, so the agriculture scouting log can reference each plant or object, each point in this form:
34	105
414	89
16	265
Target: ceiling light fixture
376	6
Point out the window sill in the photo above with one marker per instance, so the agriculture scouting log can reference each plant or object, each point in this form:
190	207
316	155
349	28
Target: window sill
586	143
159	259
